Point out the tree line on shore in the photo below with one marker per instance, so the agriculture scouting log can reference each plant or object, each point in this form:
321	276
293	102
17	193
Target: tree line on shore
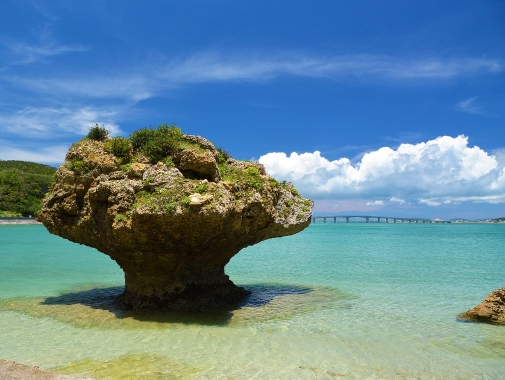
23	185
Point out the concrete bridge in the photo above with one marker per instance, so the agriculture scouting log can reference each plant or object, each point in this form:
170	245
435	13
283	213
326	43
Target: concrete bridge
374	218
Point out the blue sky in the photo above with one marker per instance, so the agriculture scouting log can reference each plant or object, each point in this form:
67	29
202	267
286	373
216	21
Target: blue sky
375	107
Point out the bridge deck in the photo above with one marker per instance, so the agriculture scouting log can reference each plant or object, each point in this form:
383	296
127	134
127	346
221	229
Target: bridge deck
377	219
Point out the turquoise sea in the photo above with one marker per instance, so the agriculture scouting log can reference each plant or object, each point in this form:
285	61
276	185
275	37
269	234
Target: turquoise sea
351	301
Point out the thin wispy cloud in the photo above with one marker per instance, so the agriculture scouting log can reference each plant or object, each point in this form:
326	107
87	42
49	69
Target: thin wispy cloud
46	132
208	67
54	154
23	52
128	87
31	53
48	122
470	106
405	137
140	83
493	199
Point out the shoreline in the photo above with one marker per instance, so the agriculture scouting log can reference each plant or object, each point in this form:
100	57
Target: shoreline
5	221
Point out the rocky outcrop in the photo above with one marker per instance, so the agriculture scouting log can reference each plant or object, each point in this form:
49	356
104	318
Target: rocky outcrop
492	309
171	225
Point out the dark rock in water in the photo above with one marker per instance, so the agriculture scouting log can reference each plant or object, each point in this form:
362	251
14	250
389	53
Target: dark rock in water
171	224
492	309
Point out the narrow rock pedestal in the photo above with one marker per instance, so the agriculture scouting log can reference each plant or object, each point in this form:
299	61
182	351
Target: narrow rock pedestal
193	297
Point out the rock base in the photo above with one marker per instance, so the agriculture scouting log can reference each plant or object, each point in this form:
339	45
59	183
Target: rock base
195	297
491	310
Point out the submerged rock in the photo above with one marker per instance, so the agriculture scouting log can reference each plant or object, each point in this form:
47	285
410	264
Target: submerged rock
172	221
492	309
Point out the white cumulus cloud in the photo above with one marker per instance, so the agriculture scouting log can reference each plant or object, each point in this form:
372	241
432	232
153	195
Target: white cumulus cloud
397	200
435	172
375	203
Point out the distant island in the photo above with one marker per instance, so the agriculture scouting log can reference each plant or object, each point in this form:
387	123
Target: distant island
23	185
490	220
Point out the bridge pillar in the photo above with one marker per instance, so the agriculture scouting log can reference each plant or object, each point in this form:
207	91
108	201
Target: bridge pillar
334	219
387	220
378	220
366	220
347	220
324	219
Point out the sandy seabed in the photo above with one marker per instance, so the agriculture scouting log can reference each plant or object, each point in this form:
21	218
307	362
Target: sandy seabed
10	370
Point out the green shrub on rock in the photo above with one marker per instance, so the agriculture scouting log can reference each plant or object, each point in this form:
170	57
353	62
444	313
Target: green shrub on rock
98	133
223	156
78	166
253	178
119	146
169	163
120	217
157	143
202	188
141	137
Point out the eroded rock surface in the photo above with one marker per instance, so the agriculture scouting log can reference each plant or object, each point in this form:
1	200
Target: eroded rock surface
172	226
492	309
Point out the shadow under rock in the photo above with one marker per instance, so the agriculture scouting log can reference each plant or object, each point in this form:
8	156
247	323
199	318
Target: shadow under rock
105	299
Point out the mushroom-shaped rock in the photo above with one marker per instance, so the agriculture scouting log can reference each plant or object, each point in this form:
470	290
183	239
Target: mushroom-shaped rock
492	309
172	225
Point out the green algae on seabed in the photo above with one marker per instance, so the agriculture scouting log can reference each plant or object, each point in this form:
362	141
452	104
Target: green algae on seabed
135	366
95	308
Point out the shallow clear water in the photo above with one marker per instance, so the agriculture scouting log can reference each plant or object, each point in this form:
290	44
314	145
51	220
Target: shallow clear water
357	301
